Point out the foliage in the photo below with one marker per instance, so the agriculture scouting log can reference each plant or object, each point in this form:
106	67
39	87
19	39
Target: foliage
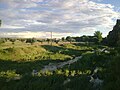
70	39
2	40
12	40
30	53
113	38
63	39
98	36
19	60
112	80
31	40
83	38
9	74
48	40
0	22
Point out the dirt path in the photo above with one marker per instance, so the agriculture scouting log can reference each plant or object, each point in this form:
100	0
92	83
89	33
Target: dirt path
53	67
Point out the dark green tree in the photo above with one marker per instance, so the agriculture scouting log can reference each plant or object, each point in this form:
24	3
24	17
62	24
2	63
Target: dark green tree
12	40
40	40
70	39
113	38
22	40
63	39
98	36
31	40
48	40
56	41
0	22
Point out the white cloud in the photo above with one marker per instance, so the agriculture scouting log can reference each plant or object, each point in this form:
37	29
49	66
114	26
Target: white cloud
28	34
59	16
11	27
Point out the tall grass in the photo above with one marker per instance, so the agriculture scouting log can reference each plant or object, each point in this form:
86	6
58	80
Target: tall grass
19	60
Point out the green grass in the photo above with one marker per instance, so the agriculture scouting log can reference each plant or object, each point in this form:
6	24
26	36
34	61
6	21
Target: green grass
26	52
20	59
30	53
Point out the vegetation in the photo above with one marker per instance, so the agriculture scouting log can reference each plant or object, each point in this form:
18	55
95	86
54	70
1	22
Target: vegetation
32	64
112	80
113	38
98	36
70	39
22	58
20	62
0	22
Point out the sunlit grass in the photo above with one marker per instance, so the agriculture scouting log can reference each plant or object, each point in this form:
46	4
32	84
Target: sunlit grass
9	74
17	61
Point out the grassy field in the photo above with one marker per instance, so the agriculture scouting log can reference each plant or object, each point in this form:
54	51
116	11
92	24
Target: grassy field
18	60
27	52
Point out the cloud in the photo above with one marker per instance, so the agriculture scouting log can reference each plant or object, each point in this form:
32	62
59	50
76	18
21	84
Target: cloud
58	16
28	34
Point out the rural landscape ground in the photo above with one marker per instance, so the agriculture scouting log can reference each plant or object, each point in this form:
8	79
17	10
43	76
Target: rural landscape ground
59	45
19	60
57	66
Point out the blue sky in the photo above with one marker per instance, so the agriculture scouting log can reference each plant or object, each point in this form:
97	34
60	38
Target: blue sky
116	3
37	18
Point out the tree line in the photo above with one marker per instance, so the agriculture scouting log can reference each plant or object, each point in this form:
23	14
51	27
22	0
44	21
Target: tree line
97	38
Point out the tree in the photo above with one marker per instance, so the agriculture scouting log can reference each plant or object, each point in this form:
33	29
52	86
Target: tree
77	39
12	40
68	38
2	40
98	36
31	40
84	38
48	40
41	40
22	40
113	38
63	39
73	40
56	41
112	81
0	22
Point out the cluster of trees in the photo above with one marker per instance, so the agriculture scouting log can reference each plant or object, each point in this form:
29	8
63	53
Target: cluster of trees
28	40
112	80
113	38
3	40
97	38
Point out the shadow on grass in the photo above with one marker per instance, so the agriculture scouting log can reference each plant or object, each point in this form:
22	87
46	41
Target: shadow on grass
28	82
34	83
54	82
62	50
24	67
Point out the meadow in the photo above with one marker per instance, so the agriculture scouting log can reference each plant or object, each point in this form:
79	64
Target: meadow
18	62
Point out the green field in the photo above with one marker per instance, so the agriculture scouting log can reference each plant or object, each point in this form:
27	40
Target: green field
19	60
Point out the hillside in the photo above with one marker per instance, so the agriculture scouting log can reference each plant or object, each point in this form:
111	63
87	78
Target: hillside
21	66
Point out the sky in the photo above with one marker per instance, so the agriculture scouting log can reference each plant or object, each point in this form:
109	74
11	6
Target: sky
37	18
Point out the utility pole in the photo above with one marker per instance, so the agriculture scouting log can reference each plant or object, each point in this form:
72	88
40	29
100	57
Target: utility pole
51	38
